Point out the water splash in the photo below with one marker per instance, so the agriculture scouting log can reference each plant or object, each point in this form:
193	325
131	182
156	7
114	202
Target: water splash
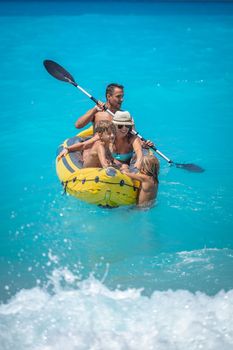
88	315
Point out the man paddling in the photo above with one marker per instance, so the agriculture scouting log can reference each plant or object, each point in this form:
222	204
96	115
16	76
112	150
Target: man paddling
114	98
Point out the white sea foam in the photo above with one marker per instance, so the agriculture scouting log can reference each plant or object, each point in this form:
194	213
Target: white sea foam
91	316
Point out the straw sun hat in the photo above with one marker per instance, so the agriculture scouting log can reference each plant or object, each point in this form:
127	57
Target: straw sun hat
122	118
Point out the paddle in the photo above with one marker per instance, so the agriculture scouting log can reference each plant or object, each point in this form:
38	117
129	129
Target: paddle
187	166
60	73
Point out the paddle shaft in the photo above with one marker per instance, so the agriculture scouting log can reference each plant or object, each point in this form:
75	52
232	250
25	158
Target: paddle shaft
84	91
89	95
152	147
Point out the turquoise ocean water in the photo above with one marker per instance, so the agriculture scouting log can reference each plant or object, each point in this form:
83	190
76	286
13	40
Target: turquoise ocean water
75	276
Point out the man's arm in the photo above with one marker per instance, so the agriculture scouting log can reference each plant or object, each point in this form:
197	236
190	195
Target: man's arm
86	118
89	116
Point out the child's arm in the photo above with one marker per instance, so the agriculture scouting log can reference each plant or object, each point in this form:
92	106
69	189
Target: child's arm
80	146
66	150
116	162
89	142
102	156
140	177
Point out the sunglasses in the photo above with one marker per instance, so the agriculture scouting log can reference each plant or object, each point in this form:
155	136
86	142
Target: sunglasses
126	126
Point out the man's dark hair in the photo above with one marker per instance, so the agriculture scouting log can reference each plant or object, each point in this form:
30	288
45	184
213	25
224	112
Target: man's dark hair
111	87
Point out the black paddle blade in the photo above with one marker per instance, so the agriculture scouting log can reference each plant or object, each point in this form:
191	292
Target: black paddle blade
190	167
58	72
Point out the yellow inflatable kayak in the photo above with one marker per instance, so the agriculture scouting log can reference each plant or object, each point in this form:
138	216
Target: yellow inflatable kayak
104	187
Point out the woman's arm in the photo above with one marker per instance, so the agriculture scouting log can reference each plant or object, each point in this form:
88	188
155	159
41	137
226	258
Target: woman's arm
136	143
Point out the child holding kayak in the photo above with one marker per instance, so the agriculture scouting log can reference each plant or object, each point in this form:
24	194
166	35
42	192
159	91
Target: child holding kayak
96	152
148	177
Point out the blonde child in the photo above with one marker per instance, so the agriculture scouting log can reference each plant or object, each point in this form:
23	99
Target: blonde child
96	153
148	176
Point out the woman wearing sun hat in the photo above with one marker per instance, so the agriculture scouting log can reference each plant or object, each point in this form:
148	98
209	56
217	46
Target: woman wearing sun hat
126	145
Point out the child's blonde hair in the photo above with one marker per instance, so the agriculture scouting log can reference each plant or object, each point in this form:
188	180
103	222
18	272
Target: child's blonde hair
105	125
150	166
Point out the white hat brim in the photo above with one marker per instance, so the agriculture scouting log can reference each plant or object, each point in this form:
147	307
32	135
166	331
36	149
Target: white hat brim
123	123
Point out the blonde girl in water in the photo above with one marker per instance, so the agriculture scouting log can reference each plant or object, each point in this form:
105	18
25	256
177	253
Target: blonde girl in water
148	177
